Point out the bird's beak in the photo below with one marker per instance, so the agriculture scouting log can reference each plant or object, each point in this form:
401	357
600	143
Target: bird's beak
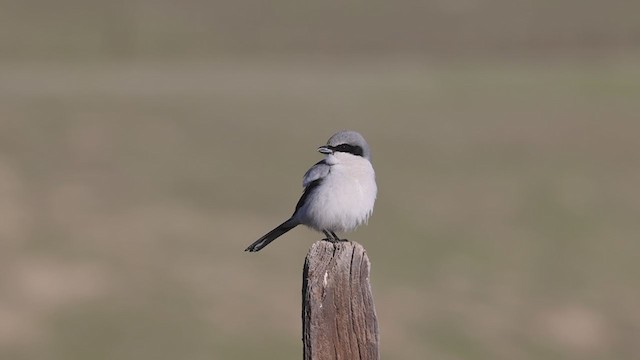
325	150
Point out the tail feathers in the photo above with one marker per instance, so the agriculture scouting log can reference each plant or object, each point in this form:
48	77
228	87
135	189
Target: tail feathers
271	235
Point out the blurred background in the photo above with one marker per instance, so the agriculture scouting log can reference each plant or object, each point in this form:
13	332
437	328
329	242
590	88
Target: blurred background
144	144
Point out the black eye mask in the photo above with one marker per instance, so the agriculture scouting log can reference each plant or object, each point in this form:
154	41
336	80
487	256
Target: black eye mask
346	148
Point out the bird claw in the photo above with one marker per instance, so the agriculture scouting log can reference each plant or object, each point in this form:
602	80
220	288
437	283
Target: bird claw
335	241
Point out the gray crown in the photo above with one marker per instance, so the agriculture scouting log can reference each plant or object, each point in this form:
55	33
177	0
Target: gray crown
351	138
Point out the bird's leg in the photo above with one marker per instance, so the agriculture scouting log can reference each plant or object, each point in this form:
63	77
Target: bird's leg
329	238
337	238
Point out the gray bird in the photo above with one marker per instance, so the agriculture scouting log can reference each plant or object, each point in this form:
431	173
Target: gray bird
339	191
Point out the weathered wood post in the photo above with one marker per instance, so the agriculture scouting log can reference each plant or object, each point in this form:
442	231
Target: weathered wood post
338	316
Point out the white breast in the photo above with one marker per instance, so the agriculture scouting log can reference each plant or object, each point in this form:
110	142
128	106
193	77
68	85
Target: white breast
346	196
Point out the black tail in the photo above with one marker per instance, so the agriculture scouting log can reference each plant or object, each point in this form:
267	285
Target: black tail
271	235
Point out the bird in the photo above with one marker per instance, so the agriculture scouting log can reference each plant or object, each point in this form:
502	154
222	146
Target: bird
339	191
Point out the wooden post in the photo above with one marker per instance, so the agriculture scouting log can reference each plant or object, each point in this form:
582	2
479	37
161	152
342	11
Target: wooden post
338	316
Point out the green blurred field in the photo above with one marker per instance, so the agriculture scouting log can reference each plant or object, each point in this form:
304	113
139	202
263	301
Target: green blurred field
144	145
505	228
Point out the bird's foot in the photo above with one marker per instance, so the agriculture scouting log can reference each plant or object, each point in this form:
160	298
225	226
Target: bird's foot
335	241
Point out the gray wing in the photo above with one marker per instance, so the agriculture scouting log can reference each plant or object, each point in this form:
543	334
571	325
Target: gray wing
311	180
317	172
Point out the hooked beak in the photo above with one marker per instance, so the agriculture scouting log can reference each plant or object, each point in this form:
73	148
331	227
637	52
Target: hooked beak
325	150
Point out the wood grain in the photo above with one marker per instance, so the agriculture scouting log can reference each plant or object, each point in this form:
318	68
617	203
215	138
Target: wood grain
338	314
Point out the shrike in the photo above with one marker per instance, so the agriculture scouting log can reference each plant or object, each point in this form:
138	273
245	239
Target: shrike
339	191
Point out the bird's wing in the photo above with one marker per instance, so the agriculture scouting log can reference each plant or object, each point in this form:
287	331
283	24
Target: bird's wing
311	180
318	171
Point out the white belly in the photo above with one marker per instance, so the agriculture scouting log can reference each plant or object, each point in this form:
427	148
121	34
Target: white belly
344	200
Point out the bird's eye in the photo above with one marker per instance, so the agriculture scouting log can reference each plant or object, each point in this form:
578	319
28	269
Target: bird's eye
347	148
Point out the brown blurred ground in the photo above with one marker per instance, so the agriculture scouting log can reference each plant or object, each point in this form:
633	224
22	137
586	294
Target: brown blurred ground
144	144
